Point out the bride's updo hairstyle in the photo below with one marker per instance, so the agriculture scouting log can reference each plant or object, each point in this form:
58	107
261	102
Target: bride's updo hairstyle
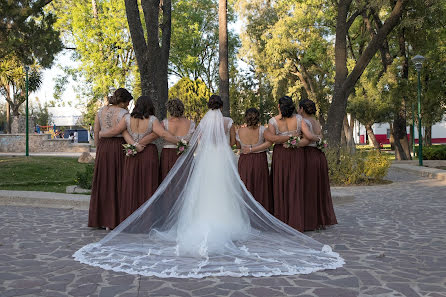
143	108
215	102
120	95
286	105
252	117
308	105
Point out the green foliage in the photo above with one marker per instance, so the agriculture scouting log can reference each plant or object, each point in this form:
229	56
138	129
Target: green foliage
288	42
12	81
194	43
194	95
103	48
27	32
84	178
434	152
363	167
250	89
40	113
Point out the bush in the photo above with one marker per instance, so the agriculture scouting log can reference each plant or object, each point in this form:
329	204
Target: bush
84	178
434	152
363	167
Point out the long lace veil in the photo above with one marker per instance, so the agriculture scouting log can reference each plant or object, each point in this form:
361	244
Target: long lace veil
203	222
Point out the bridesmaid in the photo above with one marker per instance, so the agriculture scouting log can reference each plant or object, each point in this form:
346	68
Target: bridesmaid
178	126
103	211
141	172
318	207
287	168
253	162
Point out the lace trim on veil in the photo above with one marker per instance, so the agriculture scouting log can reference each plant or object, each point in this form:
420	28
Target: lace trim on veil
203	222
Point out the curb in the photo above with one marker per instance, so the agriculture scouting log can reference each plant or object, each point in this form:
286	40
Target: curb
44	199
82	202
433	173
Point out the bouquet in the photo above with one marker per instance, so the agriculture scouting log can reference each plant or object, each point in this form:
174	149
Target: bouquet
292	142
321	144
182	146
129	149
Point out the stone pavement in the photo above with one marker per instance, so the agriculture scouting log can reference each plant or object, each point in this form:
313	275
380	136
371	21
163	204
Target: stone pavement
393	238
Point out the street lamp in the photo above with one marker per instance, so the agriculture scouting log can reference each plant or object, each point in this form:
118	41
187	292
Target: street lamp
26	110
418	61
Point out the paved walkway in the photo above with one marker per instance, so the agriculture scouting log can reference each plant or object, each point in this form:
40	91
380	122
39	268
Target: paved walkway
393	238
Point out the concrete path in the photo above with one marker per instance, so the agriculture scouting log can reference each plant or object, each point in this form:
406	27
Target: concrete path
393	238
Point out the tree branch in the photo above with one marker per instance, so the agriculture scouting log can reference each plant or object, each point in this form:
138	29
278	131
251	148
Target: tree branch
374	45
136	30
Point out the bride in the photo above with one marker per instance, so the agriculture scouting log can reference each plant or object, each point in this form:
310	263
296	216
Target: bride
211	225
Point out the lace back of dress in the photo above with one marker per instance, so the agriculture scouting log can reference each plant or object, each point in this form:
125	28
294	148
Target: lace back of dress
109	116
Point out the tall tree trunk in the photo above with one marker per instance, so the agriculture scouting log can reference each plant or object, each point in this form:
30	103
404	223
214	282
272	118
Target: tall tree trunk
427	141
344	82
402	147
392	138
348	132
371	135
152	55
8	118
223	69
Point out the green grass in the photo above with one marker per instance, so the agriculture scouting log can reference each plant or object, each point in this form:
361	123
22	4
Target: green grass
48	174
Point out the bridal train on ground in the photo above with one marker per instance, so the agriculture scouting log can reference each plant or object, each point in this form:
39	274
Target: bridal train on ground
203	222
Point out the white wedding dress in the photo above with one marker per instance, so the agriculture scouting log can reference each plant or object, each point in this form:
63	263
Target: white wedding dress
203	222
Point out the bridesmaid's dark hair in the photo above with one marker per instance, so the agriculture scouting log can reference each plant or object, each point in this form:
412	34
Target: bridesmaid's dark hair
286	105
175	107
215	102
252	117
120	95
143	108
308	105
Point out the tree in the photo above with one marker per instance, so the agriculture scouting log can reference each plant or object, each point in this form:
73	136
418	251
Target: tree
12	83
152	54
98	34
345	81
289	41
194	95
223	55
27	32
194	43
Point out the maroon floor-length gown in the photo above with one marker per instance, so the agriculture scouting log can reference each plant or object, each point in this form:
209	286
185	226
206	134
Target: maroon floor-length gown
140	175
287	174
254	172
319	210
109	163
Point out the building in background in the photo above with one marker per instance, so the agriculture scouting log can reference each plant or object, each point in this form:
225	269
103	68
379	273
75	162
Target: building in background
382	133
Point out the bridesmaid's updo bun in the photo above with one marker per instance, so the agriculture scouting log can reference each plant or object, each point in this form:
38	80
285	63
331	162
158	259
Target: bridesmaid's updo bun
286	105
252	117
308	105
175	107
215	102
121	95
